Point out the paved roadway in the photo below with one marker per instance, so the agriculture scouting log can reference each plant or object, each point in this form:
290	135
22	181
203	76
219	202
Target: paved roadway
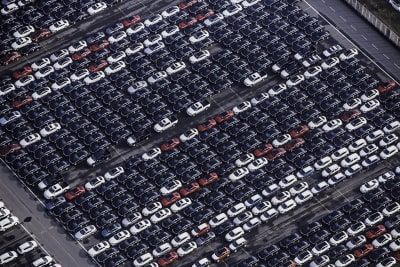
377	46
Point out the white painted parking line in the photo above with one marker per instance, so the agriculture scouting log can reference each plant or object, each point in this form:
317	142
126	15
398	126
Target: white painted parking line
365	38
397	66
331	8
354	28
352	43
342	18
374	46
386	56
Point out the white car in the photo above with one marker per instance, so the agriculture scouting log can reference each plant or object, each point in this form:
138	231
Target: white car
281	140
218	220
304	197
345	260
98	248
317	122
94	183
119	237
253	200
181	204
199	36
232	10
330	63
55	190
395	245
170	187
251	224
43	261
61	83
257	164
41	63
63	63
353	169
234	234
153	20
131	218
356	228
287	206
165	124
85	232
241	107
118	56
24	31
319	187
391	208
151	154
357	145
369	186
169	31
356	124
115	67
79	75
152	40
261	207
180	239
21	42
27	247
389	152
24	81
59	55
97	8
197	108
143	260
133	49
369	95
30	139
337	178
350	160
331	125
352	104
313	71
199	56
158	76
388	140
213	19
298	188
239	174
254	79
94	77
368	150
373	219
151	208
389	175
311	60
78	46
8	222
176	67
135	29
320	248
259	98
392	127
140	226
9	8
8	88
348	54
49	129
238	243
322	163
187	248
303	257
296	80
236	209
382	240
332	50
374	136
370	105
162	250
44	72
113	173
244	160
116	37
287	181
59	25
170	11
340	154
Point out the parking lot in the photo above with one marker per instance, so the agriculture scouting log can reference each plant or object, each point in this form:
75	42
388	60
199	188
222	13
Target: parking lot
169	147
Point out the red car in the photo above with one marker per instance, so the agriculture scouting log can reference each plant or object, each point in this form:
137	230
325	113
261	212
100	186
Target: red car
224	116
396	255
170	145
99	46
201	17
212	177
5	150
81	54
376	231
98	66
128	22
75	193
363	251
23	101
186	4
25	71
168	200
294	143
221	254
276	153
349	115
299	131
260	152
186	191
168	258
201	229
385	88
10	58
40	35
211	123
187	24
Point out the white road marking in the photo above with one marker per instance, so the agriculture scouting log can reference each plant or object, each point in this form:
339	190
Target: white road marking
352	43
386	56
374	46
397	66
365	38
342	18
34	238
354	28
331	8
